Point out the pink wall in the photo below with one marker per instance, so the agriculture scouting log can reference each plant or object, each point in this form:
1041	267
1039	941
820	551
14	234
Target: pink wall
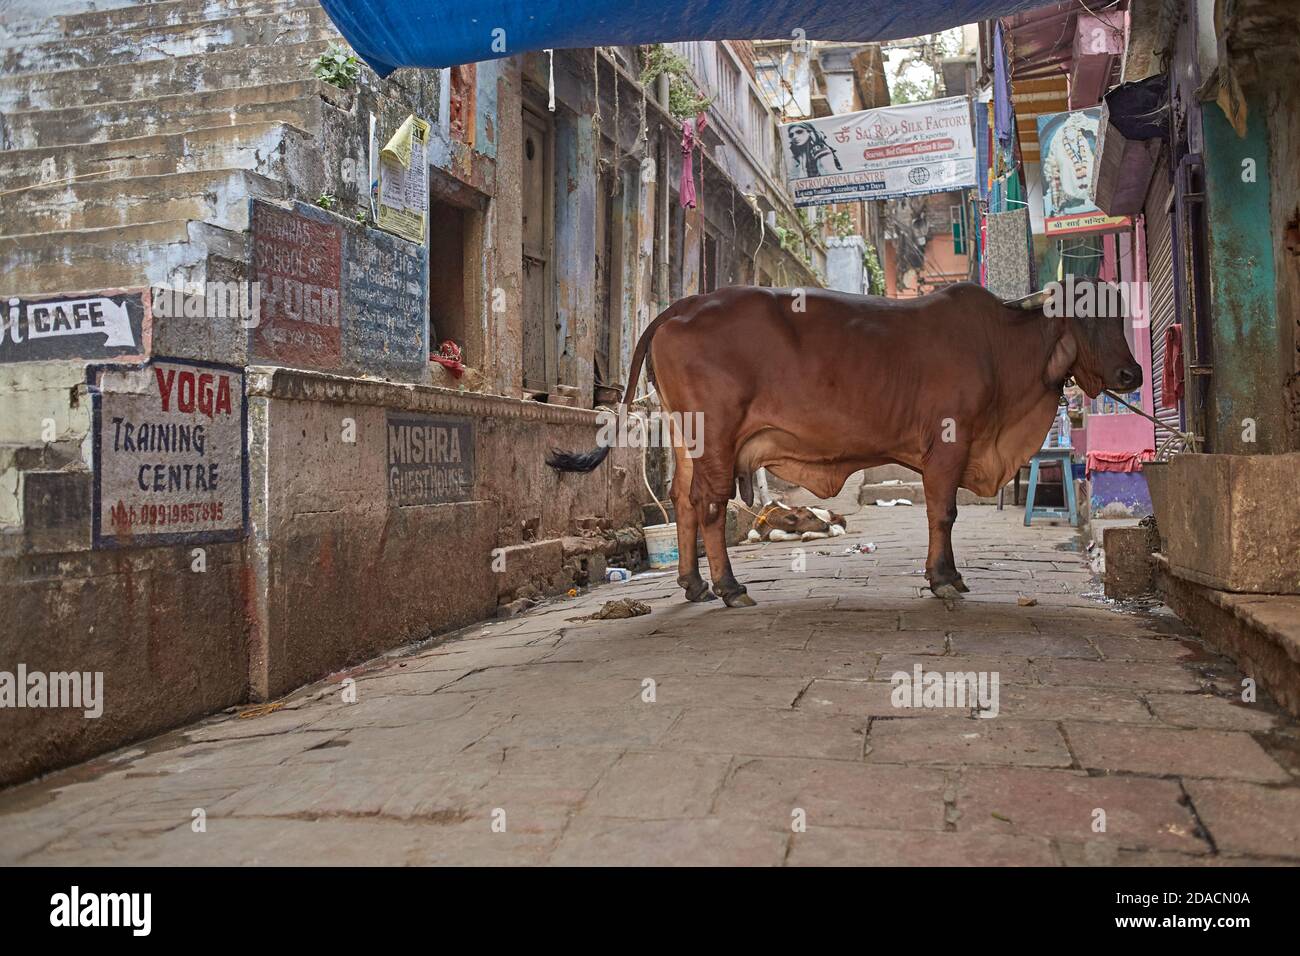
1120	433
1124	259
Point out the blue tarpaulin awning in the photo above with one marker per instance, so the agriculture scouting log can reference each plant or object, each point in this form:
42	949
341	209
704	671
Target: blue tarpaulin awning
389	34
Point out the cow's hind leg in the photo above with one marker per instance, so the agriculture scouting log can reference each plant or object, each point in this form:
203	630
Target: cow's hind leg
940	480
688	524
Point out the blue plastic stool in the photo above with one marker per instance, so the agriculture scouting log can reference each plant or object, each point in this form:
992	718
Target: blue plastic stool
1061	456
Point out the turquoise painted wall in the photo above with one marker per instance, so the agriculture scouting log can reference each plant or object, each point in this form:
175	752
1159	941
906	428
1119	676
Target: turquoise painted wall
1247	378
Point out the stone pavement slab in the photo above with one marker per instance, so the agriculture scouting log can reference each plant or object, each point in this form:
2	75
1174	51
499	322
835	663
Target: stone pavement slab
702	735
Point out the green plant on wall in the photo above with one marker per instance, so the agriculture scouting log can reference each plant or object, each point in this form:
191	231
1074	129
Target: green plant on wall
684	99
327	200
790	238
839	224
794	240
337	66
875	274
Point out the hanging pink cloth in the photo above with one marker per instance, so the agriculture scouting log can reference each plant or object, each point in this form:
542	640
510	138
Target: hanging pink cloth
686	188
690	134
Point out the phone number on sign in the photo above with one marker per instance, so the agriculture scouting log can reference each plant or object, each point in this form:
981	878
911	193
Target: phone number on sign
150	515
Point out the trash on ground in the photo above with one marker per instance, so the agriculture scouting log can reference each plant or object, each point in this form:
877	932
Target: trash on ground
260	710
1026	601
890	502
860	548
615	610
617	574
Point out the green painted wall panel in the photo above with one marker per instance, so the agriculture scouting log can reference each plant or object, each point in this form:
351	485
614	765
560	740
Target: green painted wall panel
1247	379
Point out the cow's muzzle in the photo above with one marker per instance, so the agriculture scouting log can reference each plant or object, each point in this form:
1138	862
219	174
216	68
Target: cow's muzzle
1129	377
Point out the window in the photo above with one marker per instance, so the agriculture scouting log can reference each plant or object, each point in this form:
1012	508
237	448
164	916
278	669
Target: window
728	82
447	305
708	263
455	247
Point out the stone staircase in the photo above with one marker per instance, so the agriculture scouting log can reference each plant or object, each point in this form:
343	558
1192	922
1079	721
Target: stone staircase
133	138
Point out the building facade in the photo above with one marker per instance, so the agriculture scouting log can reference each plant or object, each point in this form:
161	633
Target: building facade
250	438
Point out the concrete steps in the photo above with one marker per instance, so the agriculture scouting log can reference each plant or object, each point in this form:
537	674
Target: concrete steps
297	102
134	137
292	25
263	148
114	257
215	196
144	16
245	66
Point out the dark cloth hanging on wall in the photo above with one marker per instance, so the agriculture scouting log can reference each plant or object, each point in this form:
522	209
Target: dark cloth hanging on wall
1171	380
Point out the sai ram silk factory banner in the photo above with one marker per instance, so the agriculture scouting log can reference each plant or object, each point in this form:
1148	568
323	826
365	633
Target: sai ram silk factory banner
883	153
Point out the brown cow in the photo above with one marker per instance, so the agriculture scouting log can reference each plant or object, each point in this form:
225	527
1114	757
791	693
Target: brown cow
815	385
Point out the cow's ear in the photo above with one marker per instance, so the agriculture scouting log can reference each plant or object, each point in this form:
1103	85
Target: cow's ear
1061	361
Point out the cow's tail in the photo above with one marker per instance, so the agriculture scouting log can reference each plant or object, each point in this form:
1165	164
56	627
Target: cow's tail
585	461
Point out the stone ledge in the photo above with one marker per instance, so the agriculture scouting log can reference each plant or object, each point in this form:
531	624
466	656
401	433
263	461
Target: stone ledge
299	385
1261	632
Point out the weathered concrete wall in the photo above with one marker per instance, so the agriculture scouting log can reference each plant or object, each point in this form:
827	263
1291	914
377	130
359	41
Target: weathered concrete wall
344	571
170	642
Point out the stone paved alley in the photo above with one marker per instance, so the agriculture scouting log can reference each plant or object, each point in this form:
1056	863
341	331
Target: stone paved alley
757	714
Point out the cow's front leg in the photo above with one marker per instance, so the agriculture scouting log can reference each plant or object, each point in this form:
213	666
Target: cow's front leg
940	480
725	585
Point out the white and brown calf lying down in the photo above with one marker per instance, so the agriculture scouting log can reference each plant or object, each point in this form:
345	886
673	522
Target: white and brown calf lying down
778	522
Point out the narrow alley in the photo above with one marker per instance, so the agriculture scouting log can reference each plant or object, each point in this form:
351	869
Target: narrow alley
699	735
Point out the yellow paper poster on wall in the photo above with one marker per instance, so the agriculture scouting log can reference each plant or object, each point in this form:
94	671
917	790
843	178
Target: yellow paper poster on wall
403	181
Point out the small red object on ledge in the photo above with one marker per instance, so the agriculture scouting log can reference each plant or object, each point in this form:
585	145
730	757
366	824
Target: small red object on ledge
449	357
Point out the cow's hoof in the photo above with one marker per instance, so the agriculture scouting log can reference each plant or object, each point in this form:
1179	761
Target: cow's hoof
737	598
961	586
699	591
948	592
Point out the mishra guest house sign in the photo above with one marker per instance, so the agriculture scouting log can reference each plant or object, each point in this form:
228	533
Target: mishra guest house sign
430	460
169	454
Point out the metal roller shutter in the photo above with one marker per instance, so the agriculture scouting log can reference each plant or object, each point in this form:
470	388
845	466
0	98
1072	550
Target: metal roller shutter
1160	292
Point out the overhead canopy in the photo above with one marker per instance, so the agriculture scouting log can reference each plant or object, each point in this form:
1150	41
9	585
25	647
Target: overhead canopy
389	34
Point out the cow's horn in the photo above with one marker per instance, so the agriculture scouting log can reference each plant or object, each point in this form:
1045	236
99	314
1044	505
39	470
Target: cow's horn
1029	302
